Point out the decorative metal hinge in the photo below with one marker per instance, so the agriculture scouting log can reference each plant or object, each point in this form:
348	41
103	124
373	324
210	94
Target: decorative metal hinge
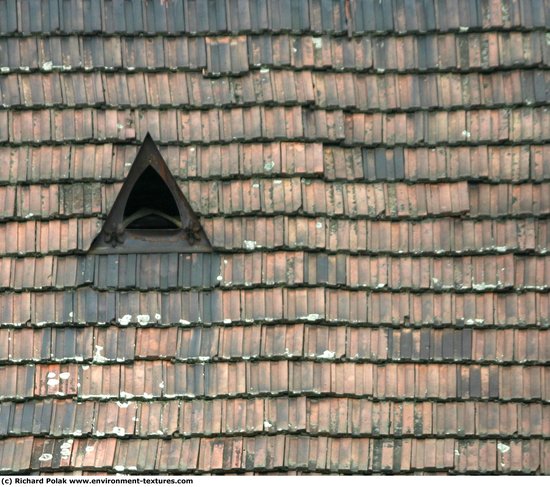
115	235
192	232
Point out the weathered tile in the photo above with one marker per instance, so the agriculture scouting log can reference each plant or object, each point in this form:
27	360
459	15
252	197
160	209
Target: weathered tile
178	455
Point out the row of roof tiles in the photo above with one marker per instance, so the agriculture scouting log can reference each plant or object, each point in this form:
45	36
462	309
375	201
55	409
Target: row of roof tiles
350	91
170	271
164	379
452	52
278	452
431	236
317	416
195	16
253	123
91	162
296	341
293	196
455	52
428	236
86	305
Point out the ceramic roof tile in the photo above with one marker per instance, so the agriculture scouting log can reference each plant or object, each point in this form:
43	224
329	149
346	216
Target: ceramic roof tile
94	453
178	455
226	55
156	418
16	454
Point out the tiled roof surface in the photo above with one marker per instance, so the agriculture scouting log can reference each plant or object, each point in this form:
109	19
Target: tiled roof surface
374	178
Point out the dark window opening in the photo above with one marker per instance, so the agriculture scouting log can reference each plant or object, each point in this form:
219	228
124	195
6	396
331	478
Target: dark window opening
151	204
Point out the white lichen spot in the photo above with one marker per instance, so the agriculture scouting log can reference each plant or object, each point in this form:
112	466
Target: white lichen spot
466	134
161	384
77	433
125	320
47	66
89	449
51	375
463	28
277	181
143	319
122	405
97	355
157	316
117	430
267	424
503	448
45	457
328	354
147	395
184	322
41	323
317	42
4	69
249	244
52	382
264	70
319	225
219	278
126	395
65	448
227	321
29	215
268	166
71	314
204	359
313	317
64	375
119	468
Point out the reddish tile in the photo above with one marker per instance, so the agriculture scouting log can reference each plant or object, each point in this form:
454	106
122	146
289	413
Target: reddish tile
95	453
16	454
115	419
178	455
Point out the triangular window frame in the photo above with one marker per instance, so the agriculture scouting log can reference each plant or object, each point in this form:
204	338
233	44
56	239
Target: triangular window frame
116	238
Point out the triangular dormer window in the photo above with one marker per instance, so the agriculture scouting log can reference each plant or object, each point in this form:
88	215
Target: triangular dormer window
150	214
